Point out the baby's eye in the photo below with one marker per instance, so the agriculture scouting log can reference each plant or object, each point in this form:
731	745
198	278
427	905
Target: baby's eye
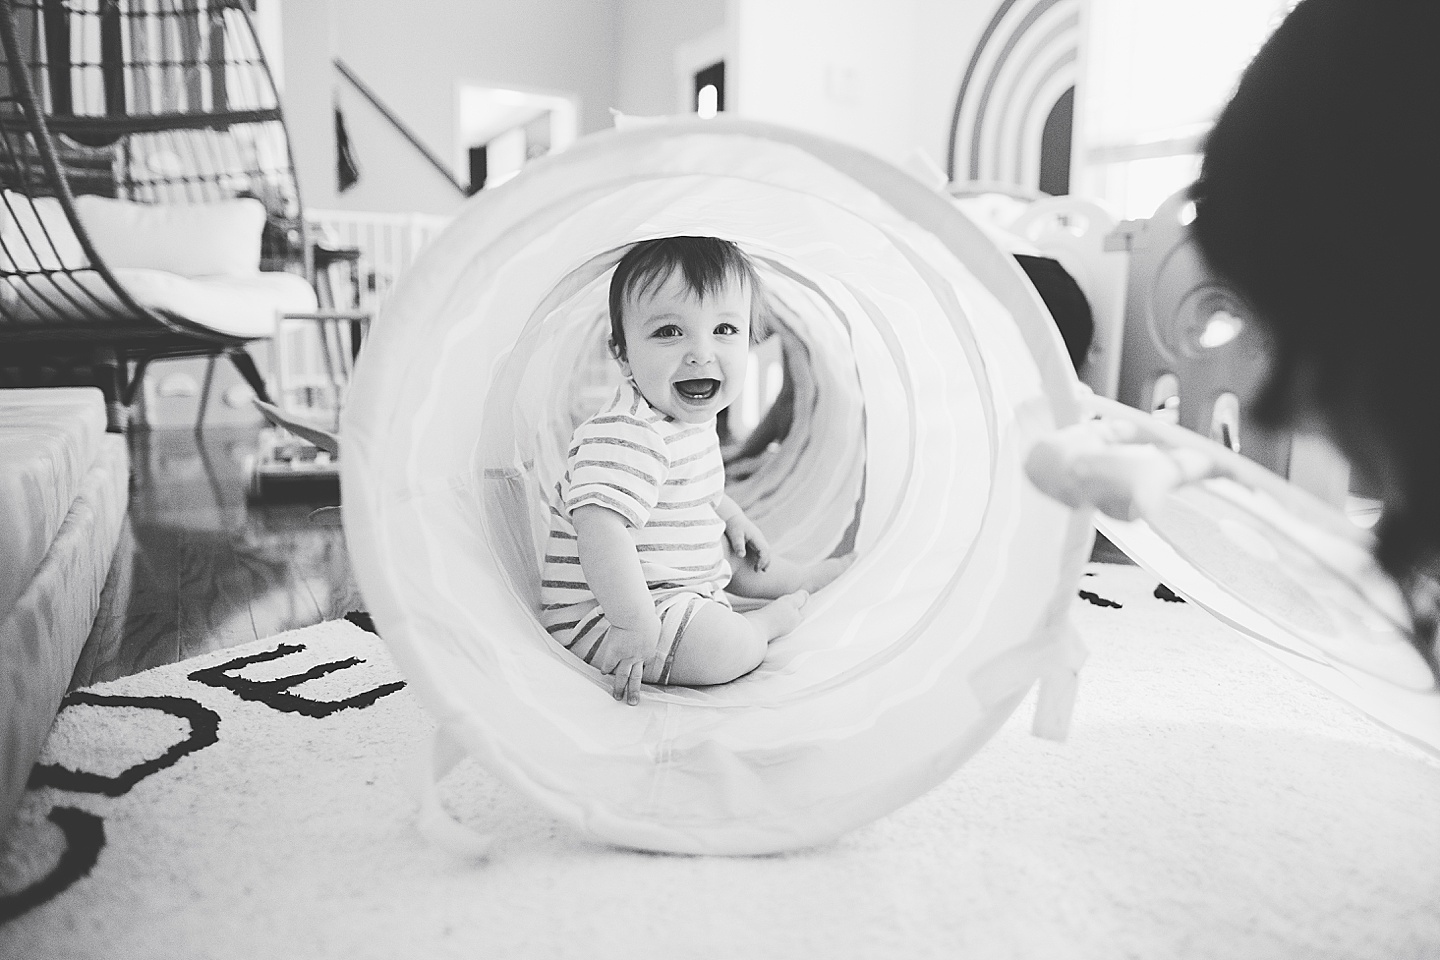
668	331
726	329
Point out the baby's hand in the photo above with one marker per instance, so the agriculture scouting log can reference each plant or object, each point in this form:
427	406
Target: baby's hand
747	541
622	656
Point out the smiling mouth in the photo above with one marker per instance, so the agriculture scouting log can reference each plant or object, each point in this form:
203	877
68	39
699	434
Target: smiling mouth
697	390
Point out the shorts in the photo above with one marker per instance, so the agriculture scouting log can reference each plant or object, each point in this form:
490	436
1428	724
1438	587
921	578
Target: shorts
584	629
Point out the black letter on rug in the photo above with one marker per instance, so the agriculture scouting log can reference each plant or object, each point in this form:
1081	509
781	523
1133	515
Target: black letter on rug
362	620
1098	600
1163	592
84	838
275	693
204	730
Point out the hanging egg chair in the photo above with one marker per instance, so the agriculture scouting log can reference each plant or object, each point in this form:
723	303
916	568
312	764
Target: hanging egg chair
925	368
149	206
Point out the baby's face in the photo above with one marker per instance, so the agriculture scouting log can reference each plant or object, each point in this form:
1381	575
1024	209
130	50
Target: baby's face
688	355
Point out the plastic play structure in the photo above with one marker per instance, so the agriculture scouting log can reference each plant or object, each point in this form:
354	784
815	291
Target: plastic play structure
927	376
1193	352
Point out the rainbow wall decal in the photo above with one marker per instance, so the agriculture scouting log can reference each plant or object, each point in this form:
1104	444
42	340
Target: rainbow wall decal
1025	64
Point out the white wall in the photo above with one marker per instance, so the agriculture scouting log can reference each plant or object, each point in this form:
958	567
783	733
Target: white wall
843	68
946	35
411	54
648	35
882	74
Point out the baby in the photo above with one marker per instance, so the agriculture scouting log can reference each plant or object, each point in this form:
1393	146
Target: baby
643	540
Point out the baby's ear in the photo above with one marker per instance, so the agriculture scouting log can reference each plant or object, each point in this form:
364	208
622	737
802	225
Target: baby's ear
621	359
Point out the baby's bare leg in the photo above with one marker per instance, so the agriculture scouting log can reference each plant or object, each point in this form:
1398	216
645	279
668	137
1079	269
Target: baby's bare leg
781	576
720	645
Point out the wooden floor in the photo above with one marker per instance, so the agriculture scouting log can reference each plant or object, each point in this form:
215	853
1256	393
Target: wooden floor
200	567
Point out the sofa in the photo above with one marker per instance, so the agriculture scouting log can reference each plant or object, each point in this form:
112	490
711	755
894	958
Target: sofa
64	493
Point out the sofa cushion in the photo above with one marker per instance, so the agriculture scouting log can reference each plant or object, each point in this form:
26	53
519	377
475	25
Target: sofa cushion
43	635
50	437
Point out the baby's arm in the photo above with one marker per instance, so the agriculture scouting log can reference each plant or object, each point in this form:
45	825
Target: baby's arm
745	537
757	572
612	569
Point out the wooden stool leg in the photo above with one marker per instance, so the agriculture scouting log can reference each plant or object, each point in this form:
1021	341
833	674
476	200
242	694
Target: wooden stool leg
210	362
137	377
334	353
109	377
246	365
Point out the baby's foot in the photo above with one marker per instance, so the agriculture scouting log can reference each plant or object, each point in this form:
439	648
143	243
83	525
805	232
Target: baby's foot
779	616
822	573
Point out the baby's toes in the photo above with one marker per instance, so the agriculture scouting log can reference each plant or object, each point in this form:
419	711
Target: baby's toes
788	610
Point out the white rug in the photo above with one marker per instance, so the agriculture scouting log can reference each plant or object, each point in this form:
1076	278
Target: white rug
1206	805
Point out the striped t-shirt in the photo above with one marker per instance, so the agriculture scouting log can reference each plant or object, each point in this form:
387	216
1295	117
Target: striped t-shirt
664	477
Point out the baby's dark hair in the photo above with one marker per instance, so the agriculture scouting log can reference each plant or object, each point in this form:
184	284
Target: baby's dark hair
707	263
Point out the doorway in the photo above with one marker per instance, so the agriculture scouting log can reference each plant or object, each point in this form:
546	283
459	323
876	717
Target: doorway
709	90
499	130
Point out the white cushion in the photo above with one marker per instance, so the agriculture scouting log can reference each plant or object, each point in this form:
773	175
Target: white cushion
50	437
36	235
238	306
193	240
